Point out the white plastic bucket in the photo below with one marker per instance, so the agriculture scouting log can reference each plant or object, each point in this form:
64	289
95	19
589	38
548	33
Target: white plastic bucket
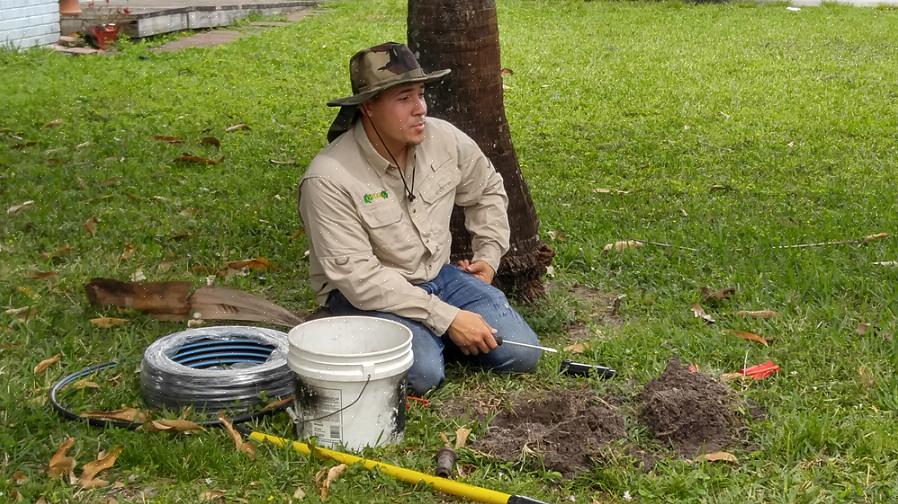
351	374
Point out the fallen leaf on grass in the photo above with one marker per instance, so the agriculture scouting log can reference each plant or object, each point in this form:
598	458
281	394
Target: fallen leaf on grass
212	495
719	187
749	336
277	162
18	208
111	181
126	414
506	71
168	139
278	403
173	425
720	456
239	443
622	245
324	484
19	478
709	296
60	252
761	314
576	348
885	263
60	463
83	145
108	322
190	158
874	237
90	225
46	363
210	141
299	493
24	313
461	437
257	264
41	275
91	469
236	127
138	276
865	377
54	123
862	329
128	253
700	312
603	190
83	384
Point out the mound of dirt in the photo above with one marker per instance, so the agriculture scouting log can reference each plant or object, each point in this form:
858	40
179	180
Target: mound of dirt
567	429
690	410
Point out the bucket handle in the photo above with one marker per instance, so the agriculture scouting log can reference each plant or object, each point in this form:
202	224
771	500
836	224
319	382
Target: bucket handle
361	392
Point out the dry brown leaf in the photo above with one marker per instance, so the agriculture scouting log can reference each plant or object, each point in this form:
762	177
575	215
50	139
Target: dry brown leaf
41	500
128	252
212	495
709	296
761	314
461	437
168	139
41	275
257	264
874	237
720	456
46	363
444	438
164	266
622	245
126	414
299	493
278	403
91	469
332	475
190	158
60	463
90	226
239	443
173	425
19	478
865	376
576	348
60	252
733	376
236	127
15	496
862	329
108	322
749	336
18	208
210	141
700	312
83	384
54	123
506	71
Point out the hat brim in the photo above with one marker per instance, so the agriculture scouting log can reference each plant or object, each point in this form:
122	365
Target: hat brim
358	99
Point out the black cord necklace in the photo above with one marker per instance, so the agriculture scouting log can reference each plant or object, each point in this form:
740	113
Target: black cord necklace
409	192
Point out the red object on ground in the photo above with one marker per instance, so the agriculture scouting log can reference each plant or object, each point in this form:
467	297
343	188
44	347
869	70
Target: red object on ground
760	371
105	34
410	399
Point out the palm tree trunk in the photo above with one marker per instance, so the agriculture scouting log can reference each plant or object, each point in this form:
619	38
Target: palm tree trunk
464	35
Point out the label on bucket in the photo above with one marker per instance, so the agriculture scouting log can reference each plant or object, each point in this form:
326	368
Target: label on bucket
323	417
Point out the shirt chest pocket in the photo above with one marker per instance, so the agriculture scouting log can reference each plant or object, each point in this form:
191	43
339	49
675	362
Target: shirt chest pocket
441	184
380	215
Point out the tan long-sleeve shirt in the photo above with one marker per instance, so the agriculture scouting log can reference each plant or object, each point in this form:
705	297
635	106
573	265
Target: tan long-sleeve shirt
373	245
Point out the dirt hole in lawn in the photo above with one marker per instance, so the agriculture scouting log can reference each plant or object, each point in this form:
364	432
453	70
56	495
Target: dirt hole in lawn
570	430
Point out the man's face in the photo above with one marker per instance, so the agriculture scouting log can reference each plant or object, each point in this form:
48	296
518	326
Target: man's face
399	114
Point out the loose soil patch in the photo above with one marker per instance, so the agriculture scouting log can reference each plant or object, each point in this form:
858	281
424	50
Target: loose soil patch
567	429
691	411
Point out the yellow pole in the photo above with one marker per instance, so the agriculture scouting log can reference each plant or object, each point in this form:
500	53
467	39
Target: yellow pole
444	485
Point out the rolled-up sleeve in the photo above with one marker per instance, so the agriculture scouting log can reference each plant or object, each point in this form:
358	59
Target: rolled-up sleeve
341	248
481	194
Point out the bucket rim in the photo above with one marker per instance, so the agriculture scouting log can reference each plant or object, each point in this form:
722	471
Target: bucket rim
406	330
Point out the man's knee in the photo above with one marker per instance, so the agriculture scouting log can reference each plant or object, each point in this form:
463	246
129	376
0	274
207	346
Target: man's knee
425	376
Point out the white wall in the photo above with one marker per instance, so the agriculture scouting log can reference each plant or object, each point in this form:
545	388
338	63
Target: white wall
27	23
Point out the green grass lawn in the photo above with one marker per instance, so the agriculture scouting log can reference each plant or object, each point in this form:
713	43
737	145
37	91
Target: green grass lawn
734	128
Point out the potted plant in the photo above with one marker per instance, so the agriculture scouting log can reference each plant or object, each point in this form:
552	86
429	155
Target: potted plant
105	33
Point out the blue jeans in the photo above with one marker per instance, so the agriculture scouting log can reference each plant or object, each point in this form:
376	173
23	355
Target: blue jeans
467	292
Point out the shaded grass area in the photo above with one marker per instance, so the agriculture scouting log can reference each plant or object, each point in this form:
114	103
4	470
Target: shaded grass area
788	115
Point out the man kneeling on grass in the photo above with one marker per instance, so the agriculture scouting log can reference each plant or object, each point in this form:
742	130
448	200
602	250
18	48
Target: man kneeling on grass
376	204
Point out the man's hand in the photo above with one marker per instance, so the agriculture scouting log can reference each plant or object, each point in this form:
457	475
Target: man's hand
471	334
480	269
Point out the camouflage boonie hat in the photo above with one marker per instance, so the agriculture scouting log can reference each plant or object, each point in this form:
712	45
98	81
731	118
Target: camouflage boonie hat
381	67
